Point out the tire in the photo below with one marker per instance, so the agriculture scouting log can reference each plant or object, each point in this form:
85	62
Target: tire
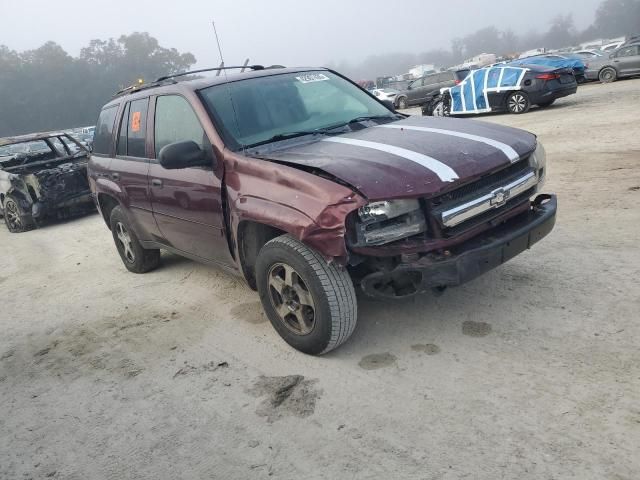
402	103
14	217
311	304
440	109
518	102
607	75
135	258
546	104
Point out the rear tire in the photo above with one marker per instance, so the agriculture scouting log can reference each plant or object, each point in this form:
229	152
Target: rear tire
607	75
311	304
135	258
15	219
546	104
518	102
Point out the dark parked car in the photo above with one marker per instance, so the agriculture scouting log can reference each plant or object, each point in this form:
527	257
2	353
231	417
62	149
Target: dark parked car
42	174
305	184
623	62
503	88
420	90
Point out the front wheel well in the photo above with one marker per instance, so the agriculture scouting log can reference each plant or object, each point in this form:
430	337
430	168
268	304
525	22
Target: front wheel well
107	204
252	236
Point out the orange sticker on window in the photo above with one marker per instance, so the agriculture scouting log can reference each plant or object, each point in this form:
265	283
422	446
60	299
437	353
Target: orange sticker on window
135	122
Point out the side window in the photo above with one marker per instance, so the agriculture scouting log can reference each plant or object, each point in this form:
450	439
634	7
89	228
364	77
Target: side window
628	51
137	128
430	80
121	148
104	130
176	122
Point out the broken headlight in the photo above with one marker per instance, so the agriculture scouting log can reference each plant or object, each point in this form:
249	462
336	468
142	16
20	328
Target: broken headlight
538	160
387	221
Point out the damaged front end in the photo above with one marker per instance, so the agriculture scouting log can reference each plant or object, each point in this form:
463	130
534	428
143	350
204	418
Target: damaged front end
62	190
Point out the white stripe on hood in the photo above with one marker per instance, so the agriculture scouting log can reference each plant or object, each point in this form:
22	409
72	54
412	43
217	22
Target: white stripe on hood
511	154
446	173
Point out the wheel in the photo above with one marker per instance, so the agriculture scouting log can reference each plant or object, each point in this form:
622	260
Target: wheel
518	102
134	257
402	103
310	303
608	75
14	217
546	104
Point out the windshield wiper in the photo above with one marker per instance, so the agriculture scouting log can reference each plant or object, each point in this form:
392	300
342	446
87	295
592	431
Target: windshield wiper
319	131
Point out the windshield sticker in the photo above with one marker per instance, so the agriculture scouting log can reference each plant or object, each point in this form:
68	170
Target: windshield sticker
135	122
312	77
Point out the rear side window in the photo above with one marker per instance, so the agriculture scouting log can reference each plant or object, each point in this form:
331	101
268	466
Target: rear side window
104	130
137	128
176	122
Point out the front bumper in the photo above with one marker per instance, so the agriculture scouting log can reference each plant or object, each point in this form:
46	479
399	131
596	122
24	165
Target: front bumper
468	260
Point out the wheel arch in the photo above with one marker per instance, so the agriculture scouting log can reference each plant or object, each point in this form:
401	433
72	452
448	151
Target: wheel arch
251	237
106	204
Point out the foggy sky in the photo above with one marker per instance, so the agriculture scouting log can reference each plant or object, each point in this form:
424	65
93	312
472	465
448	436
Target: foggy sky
287	32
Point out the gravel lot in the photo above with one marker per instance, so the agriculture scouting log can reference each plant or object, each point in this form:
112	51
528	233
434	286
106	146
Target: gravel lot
531	372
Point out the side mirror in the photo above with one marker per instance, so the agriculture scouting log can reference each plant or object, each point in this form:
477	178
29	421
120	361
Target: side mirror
612	55
389	104
409	87
182	155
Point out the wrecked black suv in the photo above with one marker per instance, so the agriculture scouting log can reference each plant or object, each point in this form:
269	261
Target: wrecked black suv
42	175
308	186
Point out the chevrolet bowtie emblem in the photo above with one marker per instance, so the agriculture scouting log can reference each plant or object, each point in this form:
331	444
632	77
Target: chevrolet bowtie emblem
499	197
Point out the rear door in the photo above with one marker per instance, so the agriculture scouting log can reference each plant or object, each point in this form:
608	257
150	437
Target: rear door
130	167
413	95
187	202
627	60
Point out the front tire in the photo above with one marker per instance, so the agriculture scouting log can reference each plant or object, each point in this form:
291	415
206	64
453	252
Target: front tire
440	109
136	258
402	103
518	102
14	217
311	304
607	75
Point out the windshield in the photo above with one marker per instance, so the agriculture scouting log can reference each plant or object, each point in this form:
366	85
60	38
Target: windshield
266	107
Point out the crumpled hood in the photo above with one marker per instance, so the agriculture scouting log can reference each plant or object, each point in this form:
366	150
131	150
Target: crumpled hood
413	157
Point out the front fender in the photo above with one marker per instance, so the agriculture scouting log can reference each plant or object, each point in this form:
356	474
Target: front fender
310	208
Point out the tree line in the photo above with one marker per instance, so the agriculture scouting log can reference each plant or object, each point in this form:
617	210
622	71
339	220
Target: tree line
47	89
613	18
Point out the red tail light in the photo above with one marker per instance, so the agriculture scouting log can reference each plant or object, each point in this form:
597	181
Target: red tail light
548	76
458	82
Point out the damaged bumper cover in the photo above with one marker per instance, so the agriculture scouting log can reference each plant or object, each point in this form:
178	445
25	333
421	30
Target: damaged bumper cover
468	260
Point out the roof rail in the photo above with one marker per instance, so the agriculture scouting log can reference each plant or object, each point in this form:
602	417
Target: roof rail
141	86
181	74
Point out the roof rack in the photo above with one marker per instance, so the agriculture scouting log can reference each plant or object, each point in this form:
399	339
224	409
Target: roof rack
170	78
181	74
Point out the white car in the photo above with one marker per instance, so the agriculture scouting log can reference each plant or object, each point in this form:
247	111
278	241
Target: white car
609	47
385	93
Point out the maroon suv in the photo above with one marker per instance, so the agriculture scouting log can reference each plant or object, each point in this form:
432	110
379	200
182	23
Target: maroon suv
305	184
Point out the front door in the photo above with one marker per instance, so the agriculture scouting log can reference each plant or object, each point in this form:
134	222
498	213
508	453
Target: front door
628	60
187	202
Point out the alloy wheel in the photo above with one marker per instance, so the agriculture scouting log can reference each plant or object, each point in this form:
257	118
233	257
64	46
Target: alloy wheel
125	242
13	215
517	103
291	299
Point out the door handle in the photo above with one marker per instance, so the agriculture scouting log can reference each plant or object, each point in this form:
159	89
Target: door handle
115	176
156	182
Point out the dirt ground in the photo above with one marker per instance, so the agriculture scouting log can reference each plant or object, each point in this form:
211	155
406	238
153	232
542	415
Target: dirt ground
530	372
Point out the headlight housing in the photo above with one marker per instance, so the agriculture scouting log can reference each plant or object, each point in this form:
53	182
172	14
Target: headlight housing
538	160
390	220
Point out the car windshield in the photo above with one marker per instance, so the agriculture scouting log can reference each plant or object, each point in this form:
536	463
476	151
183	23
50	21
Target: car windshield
280	105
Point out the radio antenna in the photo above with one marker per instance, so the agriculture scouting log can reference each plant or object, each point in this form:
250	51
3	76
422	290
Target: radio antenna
226	77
